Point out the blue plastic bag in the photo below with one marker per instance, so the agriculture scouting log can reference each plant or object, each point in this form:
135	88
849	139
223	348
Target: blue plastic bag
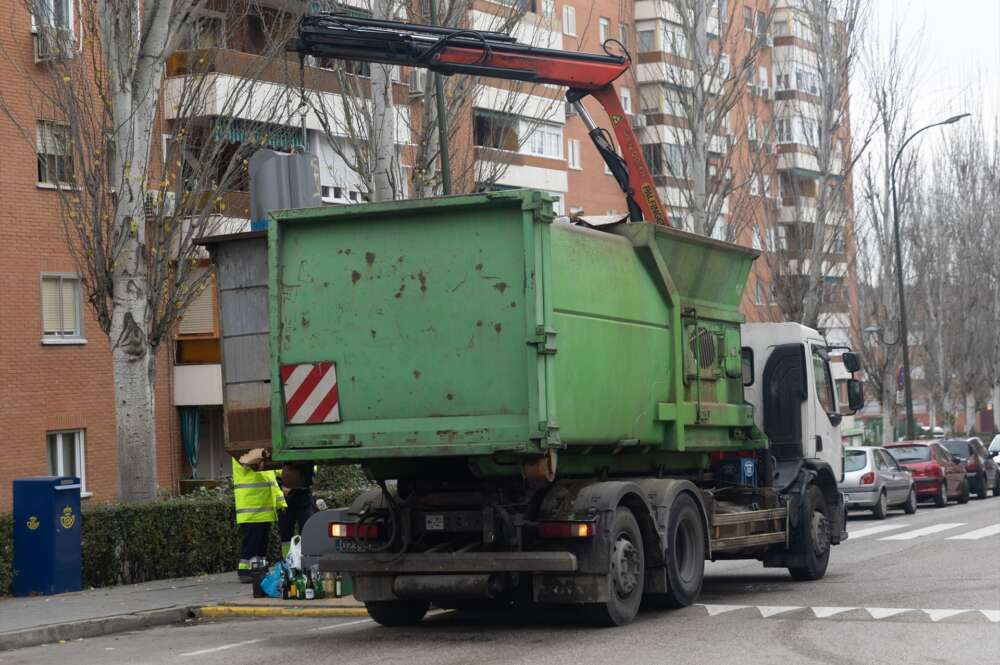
271	584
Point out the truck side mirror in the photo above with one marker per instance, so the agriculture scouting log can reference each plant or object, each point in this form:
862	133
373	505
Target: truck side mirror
855	395
852	361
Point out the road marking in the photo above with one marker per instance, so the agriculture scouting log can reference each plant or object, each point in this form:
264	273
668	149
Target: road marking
827	612
937	615
926	531
224	647
992	615
341	625
885	612
854	535
978	533
770	610
715	610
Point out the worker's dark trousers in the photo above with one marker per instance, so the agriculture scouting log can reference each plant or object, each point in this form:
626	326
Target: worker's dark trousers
300	508
253	542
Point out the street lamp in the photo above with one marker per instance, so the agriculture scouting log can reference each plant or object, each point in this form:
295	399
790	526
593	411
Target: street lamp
899	273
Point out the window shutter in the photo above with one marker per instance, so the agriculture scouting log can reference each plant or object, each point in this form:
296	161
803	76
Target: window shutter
199	317
68	302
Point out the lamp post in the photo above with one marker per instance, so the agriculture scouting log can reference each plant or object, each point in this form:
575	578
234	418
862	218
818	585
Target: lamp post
903	339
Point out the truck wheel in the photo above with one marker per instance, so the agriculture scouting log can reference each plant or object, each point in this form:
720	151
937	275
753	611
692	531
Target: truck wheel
626	577
981	486
397	612
685	561
941	498
881	507
814	543
964	496
910	506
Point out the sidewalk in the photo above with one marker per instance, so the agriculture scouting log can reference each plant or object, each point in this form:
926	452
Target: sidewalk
44	619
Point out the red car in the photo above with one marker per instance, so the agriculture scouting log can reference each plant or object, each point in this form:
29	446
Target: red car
937	474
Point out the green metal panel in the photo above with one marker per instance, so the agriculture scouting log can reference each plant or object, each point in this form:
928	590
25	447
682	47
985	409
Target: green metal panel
474	328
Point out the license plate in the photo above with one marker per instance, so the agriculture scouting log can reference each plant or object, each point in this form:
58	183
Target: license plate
351	547
434	522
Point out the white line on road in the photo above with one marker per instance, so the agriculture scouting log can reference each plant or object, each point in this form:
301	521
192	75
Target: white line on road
771	610
926	531
854	535
937	615
885	612
827	612
342	625
224	647
978	533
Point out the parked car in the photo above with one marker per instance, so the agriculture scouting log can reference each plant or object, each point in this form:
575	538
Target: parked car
937	474
995	446
875	481
980	468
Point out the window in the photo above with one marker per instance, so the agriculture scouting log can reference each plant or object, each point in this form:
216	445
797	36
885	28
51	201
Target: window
626	96
823	380
66	456
765	80
675	161
52	14
759	293
604	29
754	186
495	130
653	156
569	20
783	130
548	8
748	19
199	317
752	129
55	153
649	99
573	153
755	241
61	308
542	139
647	39
765	185
724	65
761	26
781	81
676	42
623	34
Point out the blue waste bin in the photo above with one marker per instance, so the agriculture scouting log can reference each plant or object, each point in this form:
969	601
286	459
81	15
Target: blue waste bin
46	535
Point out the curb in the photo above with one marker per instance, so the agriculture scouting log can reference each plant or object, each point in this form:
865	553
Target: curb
222	611
63	632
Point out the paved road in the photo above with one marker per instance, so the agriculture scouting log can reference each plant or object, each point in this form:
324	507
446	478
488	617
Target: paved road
911	589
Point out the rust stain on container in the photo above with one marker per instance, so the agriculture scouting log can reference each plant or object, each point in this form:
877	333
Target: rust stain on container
423	281
355	276
498	328
479	324
500	286
305	321
416	374
513	305
373	333
450	396
479	266
370	258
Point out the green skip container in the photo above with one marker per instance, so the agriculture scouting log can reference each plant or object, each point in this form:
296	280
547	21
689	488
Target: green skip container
475	334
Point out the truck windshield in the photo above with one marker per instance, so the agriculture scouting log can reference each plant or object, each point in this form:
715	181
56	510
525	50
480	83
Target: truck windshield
911	453
854	460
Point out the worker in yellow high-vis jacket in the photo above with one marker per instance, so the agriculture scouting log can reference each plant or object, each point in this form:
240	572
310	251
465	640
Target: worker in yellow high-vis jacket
258	500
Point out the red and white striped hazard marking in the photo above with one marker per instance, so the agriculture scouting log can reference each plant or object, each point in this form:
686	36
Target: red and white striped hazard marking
310	393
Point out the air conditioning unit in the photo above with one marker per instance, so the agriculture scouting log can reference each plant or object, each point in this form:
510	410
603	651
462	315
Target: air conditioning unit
419	81
638	121
53	43
151	204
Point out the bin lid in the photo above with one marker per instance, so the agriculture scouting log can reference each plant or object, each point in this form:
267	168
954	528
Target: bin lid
49	480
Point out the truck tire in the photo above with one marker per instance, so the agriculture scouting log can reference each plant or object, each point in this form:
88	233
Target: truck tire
685	559
941	498
881	507
397	612
626	577
814	542
964	496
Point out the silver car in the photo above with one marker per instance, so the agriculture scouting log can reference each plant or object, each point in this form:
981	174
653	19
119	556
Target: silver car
874	480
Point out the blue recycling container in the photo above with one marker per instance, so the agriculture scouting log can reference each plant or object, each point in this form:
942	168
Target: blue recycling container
46	535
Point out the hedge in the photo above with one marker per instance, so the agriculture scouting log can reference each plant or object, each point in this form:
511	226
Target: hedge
193	534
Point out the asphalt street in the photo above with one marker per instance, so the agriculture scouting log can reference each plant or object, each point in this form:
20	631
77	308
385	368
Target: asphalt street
910	589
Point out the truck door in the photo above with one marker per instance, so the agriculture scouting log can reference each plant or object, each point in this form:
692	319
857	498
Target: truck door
785	394
825	416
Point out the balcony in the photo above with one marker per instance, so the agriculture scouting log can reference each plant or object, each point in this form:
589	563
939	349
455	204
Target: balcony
197	385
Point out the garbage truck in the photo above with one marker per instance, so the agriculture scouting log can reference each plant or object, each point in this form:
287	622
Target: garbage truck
549	413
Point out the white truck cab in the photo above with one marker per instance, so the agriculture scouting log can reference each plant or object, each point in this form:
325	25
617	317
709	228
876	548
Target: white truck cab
789	382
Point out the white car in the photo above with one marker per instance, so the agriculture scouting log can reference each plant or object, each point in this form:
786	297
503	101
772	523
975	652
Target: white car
875	481
995	446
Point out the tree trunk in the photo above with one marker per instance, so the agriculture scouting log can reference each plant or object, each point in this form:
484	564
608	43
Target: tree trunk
383	121
888	400
970	412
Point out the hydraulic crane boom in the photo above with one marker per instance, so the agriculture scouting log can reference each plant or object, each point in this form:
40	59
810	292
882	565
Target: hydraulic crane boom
492	54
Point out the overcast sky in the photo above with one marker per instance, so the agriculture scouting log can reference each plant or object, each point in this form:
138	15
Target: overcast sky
959	50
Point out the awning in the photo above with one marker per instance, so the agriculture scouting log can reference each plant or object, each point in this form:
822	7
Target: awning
278	137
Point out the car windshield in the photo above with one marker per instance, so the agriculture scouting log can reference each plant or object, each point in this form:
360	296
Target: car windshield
995	445
854	460
911	453
960	448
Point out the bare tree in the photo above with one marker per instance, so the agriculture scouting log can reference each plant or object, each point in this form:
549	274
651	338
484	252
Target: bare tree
134	206
812	262
710	84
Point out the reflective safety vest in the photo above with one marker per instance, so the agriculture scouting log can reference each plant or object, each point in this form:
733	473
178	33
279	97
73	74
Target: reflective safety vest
258	497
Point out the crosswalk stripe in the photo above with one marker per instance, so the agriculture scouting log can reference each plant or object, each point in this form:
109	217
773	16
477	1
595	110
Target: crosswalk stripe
827	612
937	615
715	610
770	610
991	530
926	531
992	615
885	612
854	535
